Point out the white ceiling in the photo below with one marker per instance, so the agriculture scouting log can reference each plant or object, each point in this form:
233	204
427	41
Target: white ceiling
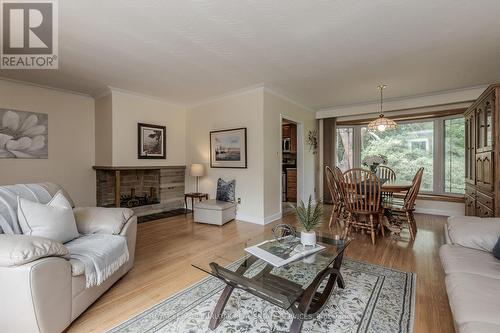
320	52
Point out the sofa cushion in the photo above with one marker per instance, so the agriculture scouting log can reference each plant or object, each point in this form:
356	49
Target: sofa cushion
478	327
479	234
55	220
17	250
459	259
214	205
99	220
473	298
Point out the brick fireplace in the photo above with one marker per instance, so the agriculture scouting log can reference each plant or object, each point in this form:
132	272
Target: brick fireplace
146	190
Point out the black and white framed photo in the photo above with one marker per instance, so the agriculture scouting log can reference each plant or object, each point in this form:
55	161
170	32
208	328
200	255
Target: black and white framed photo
152	141
228	148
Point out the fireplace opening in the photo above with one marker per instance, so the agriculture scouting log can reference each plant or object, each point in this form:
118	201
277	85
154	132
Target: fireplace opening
146	190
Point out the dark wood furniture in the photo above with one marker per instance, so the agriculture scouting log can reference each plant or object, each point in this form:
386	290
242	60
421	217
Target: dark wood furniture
199	196
291	185
304	300
400	212
290	131
384	172
363	198
482	150
335	182
396	186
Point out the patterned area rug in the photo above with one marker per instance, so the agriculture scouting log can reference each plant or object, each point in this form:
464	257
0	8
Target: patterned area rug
376	299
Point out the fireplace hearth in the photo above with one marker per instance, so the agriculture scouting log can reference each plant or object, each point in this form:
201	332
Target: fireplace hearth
146	190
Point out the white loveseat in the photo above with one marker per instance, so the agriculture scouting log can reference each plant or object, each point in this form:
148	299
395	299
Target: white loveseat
472	273
46	294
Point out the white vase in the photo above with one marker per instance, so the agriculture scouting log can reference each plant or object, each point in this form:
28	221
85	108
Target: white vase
308	238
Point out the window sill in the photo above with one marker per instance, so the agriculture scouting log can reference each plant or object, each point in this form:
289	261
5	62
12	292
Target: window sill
436	197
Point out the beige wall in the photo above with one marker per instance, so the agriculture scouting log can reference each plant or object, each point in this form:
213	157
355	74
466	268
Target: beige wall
103	131
130	109
241	110
275	108
71	140
117	116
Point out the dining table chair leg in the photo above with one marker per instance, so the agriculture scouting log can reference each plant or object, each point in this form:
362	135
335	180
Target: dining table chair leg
372	229
333	215
381	224
410	225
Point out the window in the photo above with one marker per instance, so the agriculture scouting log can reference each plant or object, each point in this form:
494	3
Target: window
454	155
435	144
344	148
407	148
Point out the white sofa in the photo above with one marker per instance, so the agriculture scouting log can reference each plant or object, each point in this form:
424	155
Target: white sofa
45	295
472	273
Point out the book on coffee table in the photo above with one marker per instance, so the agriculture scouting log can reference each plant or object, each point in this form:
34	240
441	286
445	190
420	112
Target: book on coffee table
283	251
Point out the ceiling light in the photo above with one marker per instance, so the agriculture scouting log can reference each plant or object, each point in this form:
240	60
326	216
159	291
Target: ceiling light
382	123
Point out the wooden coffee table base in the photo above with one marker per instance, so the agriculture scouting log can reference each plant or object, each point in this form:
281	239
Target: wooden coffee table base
308	306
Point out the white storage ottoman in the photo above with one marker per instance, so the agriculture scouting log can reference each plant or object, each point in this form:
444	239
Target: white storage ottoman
214	212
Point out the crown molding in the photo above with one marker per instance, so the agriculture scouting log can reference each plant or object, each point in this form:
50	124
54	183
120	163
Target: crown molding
38	85
442	98
287	98
225	95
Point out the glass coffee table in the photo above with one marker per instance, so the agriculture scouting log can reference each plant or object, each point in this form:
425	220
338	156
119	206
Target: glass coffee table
302	287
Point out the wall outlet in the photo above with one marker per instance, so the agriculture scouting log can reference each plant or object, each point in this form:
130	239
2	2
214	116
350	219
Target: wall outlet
239	201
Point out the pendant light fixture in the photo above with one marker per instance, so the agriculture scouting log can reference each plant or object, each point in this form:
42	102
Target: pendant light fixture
382	123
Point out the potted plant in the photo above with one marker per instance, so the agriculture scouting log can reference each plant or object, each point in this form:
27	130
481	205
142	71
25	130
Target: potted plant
309	217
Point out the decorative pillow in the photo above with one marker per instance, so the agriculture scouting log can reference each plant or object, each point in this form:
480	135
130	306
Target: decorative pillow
225	190
17	250
55	220
476	234
496	249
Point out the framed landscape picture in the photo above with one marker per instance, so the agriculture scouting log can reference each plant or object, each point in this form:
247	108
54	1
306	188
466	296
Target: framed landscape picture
152	141
228	148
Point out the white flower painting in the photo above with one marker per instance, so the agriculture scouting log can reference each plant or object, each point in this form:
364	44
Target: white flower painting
23	134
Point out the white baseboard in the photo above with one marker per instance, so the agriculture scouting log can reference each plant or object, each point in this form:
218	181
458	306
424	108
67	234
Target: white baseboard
441	212
272	218
259	220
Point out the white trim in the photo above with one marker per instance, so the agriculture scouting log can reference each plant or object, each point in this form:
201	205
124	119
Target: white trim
233	93
37	85
272	218
286	98
444	98
141	95
102	93
250	219
440	212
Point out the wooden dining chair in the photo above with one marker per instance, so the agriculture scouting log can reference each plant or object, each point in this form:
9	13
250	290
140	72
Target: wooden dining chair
334	180
362	198
401	213
384	172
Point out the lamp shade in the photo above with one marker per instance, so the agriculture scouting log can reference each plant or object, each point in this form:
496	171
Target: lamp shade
197	170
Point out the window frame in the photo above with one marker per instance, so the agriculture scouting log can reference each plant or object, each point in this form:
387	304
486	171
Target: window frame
438	151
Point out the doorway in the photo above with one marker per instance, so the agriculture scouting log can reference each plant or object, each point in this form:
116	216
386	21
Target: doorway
289	156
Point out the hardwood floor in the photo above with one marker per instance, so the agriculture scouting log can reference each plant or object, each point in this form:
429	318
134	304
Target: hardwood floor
166	248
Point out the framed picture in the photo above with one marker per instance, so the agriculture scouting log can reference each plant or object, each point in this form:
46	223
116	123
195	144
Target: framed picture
228	148
24	134
152	141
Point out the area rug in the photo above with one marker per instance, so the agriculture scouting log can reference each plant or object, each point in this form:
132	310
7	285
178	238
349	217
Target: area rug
376	299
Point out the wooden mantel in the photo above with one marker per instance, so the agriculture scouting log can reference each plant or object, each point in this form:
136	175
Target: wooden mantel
153	167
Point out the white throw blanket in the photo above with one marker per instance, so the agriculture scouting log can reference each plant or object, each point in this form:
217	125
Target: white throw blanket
101	254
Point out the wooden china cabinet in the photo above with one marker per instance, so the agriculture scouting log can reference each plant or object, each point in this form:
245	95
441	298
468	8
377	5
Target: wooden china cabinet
482	151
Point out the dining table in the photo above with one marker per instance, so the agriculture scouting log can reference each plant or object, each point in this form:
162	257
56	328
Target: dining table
395	186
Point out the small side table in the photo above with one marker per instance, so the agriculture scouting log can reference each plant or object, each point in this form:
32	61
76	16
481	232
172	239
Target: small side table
199	196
